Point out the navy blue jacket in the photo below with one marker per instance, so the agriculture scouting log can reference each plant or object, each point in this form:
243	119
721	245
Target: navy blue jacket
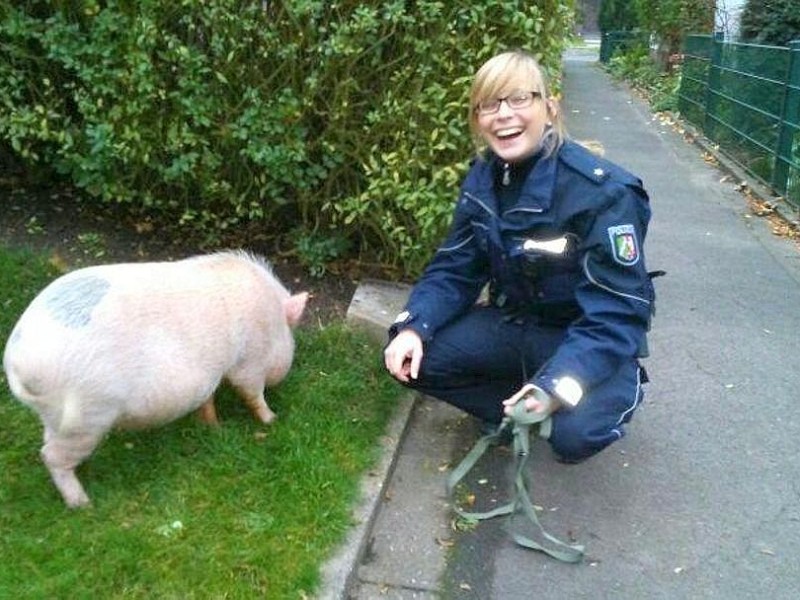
569	252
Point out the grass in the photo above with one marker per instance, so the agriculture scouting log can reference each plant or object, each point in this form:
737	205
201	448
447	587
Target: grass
185	510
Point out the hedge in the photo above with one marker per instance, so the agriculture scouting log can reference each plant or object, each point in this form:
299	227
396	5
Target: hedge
341	124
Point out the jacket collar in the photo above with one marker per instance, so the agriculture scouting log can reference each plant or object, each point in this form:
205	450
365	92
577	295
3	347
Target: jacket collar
537	191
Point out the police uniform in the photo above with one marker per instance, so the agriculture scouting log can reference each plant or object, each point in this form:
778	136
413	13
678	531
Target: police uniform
559	240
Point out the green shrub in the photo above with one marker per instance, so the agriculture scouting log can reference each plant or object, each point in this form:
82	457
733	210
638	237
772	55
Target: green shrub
669	20
617	15
345	118
638	68
315	251
775	23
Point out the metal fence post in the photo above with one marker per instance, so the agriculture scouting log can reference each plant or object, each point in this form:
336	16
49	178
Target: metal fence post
605	50
713	83
790	122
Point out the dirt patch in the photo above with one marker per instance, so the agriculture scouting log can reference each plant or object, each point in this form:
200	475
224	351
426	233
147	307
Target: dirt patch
76	234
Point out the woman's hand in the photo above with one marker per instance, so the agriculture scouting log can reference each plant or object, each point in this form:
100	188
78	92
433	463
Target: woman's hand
536	400
403	355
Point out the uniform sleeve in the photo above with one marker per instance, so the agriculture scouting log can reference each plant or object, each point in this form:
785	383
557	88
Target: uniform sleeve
615	295
451	282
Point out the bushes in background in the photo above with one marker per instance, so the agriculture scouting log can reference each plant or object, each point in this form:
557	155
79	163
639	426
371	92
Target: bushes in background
670	20
636	66
617	15
774	23
339	123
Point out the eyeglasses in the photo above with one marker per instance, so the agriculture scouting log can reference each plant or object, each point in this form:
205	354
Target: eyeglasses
515	101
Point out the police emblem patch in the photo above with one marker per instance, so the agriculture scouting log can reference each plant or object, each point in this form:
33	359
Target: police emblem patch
624	244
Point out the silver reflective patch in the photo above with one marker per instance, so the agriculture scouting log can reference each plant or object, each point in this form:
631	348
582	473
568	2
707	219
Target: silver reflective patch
556	246
71	302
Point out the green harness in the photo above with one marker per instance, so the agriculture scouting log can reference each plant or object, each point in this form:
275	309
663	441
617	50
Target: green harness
520	422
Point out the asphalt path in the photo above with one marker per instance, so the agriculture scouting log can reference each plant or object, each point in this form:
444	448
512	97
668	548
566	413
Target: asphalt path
701	498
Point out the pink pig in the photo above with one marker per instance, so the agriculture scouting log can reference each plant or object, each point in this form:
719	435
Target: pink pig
141	344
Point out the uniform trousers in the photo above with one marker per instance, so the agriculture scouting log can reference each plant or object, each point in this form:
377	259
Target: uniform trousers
484	357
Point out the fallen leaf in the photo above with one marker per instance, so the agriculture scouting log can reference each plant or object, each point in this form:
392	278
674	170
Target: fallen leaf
57	261
445	543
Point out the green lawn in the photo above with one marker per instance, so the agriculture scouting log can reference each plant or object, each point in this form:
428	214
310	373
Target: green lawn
186	510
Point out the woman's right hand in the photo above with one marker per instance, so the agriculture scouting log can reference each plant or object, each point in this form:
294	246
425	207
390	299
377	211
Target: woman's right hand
403	355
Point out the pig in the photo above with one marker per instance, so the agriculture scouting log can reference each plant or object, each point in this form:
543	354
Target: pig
137	345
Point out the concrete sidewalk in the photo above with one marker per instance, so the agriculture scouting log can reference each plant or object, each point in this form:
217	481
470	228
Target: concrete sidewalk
702	498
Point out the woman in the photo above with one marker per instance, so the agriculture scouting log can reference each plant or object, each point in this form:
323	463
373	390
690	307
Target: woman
557	234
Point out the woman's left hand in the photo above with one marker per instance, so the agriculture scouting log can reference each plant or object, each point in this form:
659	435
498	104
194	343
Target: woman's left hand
536	400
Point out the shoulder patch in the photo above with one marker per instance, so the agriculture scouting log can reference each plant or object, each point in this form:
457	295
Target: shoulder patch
624	244
593	167
584	162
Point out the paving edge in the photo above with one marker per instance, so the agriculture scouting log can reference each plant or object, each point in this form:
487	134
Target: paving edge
339	571
782	206
371	309
695	136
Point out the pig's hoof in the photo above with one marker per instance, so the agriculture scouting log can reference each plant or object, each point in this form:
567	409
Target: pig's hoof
267	417
79	502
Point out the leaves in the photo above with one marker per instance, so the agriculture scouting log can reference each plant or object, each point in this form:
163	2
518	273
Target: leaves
328	116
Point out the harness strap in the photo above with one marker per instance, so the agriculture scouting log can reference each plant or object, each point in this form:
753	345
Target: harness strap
520	422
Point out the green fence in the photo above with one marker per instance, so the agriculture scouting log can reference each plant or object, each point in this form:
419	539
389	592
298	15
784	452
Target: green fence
746	99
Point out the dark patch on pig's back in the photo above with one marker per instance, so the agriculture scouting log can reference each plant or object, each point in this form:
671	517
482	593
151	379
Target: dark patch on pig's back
70	301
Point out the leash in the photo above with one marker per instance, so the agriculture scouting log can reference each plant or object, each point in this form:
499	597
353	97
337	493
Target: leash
520	422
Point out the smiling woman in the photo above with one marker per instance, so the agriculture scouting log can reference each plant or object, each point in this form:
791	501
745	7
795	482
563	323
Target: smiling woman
557	233
512	108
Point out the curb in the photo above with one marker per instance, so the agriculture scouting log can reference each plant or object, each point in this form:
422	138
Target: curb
782	206
339	572
371	309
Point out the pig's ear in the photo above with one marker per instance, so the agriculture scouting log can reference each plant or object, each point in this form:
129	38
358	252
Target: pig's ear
294	307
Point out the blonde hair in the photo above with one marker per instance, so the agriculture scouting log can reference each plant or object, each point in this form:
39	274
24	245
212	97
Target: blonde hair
497	74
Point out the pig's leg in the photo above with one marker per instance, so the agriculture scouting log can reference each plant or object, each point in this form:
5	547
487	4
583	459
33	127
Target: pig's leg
61	455
208	412
257	404
250	379
251	390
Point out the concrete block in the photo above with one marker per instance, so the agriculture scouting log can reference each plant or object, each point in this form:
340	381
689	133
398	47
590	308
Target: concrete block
374	306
